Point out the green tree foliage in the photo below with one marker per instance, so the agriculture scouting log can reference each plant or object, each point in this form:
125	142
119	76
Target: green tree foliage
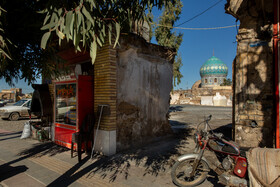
4	53
165	36
20	24
227	82
177	75
89	22
32	25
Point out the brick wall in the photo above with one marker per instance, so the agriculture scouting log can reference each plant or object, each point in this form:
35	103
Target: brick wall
105	85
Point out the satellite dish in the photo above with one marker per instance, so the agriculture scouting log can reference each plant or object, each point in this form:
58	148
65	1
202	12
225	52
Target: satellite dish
78	70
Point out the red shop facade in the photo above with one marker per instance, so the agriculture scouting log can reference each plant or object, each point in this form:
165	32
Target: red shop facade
73	98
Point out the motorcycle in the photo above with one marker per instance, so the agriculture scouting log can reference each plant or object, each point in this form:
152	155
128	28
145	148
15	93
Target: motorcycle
192	169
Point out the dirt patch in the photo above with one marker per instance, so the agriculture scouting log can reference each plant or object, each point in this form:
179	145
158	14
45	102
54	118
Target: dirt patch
127	108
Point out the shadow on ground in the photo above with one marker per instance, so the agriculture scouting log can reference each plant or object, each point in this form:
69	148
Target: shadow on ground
7	171
9	134
176	123
155	158
15	135
175	108
41	149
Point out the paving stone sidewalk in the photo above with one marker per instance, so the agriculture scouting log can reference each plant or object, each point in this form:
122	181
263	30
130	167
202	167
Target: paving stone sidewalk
32	163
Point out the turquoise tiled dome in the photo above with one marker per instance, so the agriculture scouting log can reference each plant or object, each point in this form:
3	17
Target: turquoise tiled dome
213	66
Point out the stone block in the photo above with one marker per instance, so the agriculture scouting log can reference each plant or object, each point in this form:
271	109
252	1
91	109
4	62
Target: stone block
207	100
259	112
219	100
252	112
246	136
258	118
243	117
105	142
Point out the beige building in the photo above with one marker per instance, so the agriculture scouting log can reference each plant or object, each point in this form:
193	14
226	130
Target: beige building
12	94
210	96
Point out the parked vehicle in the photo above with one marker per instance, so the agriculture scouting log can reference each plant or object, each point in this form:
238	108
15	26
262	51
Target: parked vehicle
16	111
2	103
192	169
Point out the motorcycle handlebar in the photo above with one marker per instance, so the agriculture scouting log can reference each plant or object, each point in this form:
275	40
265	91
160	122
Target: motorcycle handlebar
206	123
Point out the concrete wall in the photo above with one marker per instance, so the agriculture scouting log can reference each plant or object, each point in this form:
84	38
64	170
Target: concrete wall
253	76
175	98
202	96
207	100
219	100
144	82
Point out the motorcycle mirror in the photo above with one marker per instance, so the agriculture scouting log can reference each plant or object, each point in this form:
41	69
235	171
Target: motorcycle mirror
209	118
254	124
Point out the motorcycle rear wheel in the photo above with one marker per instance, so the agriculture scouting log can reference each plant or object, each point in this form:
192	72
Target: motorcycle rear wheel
181	170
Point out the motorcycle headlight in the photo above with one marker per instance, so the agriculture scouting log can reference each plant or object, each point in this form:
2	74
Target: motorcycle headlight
195	137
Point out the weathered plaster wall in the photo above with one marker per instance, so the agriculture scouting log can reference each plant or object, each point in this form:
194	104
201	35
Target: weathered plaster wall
144	76
175	98
253	73
207	100
201	96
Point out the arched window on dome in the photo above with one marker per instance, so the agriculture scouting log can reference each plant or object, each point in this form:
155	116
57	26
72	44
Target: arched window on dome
215	80
205	81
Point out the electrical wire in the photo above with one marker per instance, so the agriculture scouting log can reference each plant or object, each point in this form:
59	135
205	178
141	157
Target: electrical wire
199	14
184	28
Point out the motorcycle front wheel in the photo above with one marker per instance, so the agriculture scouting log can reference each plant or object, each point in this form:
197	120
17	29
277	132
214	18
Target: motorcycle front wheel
181	171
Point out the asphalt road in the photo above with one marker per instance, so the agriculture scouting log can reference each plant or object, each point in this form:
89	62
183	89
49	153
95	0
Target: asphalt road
189	116
186	115
12	125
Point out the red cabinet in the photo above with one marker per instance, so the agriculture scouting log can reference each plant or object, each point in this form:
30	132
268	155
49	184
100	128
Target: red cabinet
72	102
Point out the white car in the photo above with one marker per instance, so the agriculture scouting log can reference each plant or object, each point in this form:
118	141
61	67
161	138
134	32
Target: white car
2	103
16	111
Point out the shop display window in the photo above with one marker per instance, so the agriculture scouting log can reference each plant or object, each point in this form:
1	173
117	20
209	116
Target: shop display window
65	103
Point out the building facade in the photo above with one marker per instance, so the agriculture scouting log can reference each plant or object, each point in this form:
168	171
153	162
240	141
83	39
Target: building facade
132	82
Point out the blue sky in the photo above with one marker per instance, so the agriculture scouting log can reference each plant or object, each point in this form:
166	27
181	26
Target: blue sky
20	84
198	45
